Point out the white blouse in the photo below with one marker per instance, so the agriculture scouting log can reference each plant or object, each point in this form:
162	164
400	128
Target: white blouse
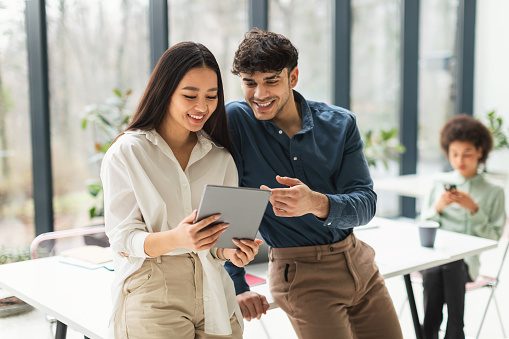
146	191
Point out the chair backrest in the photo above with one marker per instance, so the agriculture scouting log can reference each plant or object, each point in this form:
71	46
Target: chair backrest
52	243
503	260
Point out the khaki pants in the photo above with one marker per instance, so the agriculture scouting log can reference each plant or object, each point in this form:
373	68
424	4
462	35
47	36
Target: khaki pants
164	299
333	291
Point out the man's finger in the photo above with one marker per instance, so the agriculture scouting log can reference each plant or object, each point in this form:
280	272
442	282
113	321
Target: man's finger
266	188
280	212
288	181
265	304
245	312
206	222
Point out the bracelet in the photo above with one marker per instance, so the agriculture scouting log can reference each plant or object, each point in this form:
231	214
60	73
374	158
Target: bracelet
222	254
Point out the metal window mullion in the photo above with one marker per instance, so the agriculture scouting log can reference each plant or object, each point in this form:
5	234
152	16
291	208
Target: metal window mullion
342	51
38	79
158	22
409	95
258	14
465	58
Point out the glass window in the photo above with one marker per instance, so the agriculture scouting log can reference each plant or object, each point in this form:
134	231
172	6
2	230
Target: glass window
308	25
438	34
221	27
94	47
492	72
375	81
16	189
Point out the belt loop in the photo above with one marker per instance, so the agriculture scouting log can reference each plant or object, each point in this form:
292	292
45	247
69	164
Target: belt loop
159	260
318	253
271	255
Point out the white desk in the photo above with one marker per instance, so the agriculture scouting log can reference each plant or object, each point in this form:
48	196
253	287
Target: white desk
398	252
75	296
80	297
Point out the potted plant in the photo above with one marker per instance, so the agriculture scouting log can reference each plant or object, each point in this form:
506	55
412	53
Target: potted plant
10	305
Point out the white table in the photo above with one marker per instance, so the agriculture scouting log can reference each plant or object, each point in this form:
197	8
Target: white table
75	296
81	298
398	252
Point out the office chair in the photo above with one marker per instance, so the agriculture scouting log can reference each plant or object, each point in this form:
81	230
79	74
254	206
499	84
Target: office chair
489	282
52	243
482	281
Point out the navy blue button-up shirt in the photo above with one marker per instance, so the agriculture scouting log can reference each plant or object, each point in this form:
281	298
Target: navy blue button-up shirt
326	155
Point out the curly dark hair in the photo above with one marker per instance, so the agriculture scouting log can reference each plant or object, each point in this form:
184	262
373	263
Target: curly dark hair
264	52
466	128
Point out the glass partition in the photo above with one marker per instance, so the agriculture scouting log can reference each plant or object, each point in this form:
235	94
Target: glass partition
308	25
16	186
94	48
438	34
221	27
375	74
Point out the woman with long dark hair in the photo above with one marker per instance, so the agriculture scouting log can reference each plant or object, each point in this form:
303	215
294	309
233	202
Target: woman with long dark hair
169	278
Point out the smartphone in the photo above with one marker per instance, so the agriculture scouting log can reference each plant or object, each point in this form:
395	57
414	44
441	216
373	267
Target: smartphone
449	187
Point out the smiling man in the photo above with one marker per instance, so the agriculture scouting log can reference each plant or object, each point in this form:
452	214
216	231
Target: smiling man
309	154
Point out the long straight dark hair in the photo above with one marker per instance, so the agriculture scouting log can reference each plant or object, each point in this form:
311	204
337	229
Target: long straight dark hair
169	71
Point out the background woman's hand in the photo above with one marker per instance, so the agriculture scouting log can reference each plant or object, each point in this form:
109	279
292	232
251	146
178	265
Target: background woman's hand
465	200
245	253
445	200
194	237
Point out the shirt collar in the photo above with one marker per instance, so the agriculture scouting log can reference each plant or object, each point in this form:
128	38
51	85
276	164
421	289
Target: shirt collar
307	117
203	138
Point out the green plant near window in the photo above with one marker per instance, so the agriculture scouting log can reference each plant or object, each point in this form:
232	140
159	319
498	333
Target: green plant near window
496	127
382	146
10	305
109	120
10	255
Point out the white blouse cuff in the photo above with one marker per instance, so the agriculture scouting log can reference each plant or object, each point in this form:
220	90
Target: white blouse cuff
138	243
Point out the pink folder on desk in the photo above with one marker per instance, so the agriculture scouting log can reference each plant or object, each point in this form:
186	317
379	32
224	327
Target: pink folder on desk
253	281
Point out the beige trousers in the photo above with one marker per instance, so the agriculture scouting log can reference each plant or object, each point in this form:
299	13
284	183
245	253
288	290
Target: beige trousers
164	299
333	291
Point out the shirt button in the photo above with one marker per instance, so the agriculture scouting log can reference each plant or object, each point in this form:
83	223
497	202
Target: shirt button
206	299
184	184
280	132
329	224
294	158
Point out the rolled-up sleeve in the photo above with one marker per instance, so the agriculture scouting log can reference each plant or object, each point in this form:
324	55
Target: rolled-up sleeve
123	219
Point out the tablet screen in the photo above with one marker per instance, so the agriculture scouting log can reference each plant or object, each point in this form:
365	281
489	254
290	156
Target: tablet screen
241	207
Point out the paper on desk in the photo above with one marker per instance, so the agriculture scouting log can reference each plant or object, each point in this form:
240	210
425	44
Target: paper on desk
91	254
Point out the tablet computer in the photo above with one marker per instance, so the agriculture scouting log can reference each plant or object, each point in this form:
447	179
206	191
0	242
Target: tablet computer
241	207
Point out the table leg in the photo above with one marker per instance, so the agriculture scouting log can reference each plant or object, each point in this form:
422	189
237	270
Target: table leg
413	307
61	330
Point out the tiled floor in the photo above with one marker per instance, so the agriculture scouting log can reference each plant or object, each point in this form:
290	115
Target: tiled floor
275	324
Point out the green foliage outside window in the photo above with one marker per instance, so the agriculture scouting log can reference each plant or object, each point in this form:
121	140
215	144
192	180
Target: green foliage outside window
109	120
496	127
382	146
